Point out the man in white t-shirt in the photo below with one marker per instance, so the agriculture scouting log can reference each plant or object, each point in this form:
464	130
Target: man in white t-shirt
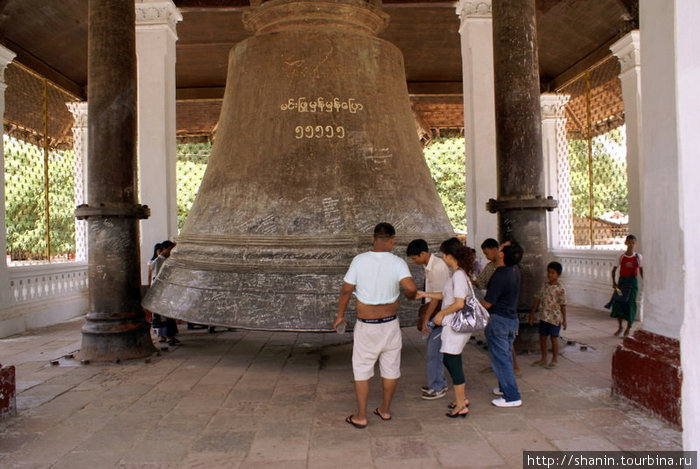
375	277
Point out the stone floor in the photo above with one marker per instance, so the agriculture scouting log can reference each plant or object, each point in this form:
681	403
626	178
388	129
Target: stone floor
259	399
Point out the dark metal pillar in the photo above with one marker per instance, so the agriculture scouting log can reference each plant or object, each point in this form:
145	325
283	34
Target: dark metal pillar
115	328
521	204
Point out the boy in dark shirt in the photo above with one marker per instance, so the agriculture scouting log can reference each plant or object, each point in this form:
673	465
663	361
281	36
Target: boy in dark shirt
502	302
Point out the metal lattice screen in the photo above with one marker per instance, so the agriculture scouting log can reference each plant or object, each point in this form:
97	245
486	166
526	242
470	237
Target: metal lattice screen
592	166
40	169
192	158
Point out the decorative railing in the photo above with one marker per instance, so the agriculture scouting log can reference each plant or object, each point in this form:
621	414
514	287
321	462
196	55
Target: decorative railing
586	274
29	283
587	264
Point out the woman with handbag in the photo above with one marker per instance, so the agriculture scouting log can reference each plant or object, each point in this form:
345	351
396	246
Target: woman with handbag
461	260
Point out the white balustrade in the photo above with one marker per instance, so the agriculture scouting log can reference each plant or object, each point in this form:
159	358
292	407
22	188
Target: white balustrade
28	283
586	274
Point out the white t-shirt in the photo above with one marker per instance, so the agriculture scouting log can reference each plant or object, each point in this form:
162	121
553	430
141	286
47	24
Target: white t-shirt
376	276
457	287
156	265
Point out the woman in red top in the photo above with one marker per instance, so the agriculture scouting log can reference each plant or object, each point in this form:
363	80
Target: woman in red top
625	306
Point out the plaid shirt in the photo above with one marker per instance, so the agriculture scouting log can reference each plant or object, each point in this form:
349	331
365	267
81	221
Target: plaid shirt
482	280
551	297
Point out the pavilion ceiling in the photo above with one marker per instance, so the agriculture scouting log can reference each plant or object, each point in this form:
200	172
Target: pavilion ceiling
50	37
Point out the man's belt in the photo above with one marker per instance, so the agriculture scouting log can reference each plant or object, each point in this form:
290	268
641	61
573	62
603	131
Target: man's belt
377	321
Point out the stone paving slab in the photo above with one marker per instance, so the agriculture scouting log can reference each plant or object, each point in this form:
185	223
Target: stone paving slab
243	399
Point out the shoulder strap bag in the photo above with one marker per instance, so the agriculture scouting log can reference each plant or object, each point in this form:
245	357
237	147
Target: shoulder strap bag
473	317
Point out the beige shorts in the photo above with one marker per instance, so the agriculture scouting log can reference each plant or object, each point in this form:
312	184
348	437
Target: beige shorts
372	342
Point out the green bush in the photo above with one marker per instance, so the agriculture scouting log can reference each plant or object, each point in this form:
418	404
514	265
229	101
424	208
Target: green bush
609	175
25	201
446	161
192	161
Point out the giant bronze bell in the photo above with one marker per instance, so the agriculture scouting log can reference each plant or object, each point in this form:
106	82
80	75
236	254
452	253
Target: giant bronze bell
316	144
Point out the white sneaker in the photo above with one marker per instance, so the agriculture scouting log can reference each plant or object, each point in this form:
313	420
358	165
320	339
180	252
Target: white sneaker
432	394
500	402
497	391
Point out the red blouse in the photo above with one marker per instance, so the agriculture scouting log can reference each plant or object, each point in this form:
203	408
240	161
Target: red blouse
629	265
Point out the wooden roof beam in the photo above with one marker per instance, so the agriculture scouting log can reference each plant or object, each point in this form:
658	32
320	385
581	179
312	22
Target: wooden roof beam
42	70
237	5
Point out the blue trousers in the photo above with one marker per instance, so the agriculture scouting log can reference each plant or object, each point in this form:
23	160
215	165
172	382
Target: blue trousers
434	368
500	334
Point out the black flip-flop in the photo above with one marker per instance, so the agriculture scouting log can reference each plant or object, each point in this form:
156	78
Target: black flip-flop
452	406
353	423
376	412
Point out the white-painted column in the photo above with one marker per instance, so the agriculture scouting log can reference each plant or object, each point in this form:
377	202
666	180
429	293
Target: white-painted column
155	48
6	56
479	118
662	235
552	108
687	72
627	51
670	190
80	149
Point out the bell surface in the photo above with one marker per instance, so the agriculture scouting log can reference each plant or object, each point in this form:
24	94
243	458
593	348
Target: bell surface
316	144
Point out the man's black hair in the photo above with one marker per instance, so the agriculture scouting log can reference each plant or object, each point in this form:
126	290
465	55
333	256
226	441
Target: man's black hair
384	230
555	266
167	244
417	246
489	243
512	253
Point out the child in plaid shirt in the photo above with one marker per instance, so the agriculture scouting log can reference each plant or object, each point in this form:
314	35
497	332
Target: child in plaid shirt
552	298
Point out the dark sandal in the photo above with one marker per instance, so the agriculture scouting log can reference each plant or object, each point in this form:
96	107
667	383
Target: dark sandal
353	423
376	412
459	413
452	405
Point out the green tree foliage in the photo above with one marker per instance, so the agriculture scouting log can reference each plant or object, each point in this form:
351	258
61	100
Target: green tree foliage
25	203
192	161
62	202
609	175
445	158
25	198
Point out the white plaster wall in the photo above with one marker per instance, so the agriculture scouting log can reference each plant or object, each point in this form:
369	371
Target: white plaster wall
80	147
43	294
627	51
479	120
552	111
155	49
661	234
687	38
549	151
41	313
